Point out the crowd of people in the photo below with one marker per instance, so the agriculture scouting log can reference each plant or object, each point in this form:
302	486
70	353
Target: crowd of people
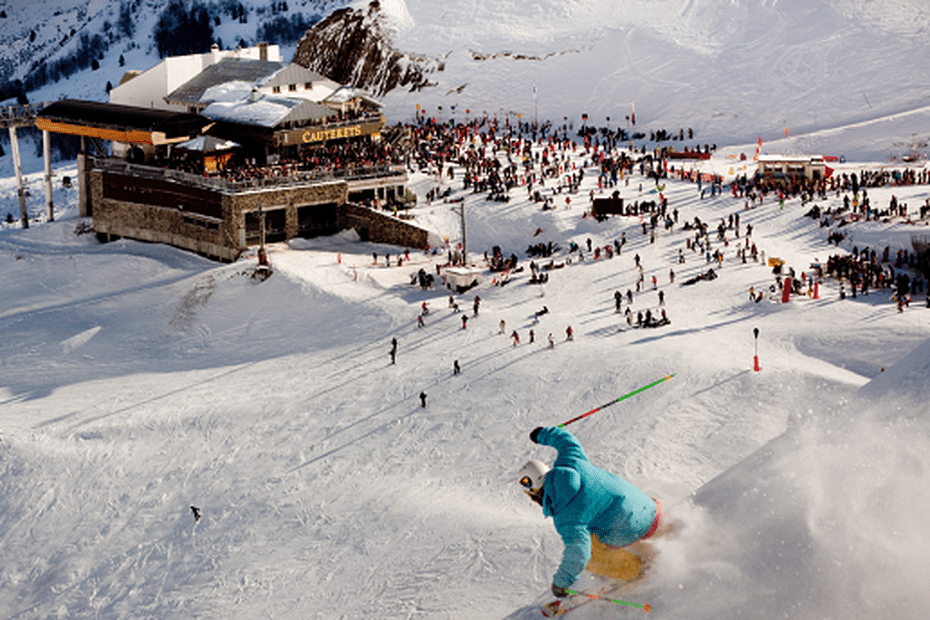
485	156
868	269
496	158
328	159
331	159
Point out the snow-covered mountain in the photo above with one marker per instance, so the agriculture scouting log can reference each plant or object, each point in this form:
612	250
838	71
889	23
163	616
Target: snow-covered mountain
732	70
354	47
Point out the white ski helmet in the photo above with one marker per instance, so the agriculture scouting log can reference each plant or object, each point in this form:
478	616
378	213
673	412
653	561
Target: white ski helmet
532	475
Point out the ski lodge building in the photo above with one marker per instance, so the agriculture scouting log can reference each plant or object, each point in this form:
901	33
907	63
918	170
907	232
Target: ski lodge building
809	167
217	152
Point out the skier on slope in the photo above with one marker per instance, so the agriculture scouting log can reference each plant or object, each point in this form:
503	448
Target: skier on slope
583	500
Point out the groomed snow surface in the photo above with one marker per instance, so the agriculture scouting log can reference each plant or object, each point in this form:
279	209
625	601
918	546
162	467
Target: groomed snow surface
139	380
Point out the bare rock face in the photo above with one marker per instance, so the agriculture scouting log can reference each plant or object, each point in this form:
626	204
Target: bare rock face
353	47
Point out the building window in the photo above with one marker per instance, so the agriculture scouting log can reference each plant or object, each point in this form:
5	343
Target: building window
276	89
292	87
308	85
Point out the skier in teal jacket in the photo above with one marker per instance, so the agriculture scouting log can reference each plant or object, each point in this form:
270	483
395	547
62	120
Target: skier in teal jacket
583	500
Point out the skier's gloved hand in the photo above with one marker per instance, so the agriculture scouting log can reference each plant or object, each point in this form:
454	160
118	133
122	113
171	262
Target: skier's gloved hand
559	592
534	433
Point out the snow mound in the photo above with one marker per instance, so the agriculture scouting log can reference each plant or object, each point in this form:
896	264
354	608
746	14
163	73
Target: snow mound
823	521
906	380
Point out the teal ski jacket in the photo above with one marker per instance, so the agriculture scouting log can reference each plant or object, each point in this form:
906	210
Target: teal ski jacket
583	499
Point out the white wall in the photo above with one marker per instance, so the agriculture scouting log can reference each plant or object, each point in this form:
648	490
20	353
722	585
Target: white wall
150	87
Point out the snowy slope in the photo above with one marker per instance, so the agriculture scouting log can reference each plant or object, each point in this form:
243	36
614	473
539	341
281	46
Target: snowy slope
140	380
731	70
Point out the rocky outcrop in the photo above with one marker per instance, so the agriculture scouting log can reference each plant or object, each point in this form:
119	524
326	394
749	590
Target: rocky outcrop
353	47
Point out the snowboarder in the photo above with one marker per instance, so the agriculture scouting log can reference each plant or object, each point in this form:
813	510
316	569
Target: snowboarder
423	399
456	370
585	502
196	513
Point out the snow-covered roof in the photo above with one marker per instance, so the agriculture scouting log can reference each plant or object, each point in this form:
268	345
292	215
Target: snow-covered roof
236	70
228	92
208	144
791	158
293	73
267	111
347	93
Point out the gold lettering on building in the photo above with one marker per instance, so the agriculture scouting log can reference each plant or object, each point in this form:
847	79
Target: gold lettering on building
332	134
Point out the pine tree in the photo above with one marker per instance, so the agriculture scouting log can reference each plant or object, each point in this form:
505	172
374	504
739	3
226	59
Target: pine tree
125	25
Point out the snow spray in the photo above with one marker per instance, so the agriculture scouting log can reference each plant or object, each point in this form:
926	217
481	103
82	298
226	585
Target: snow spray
596	409
646	608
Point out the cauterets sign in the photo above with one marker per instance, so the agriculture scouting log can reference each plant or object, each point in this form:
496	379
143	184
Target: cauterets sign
331	134
325	134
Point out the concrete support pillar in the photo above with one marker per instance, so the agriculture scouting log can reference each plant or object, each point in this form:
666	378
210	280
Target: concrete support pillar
82	185
47	156
14	143
83	174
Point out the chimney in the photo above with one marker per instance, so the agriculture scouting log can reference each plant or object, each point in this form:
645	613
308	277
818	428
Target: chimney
214	54
255	95
263	51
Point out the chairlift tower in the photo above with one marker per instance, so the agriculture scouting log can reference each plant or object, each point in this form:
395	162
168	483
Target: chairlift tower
22	116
